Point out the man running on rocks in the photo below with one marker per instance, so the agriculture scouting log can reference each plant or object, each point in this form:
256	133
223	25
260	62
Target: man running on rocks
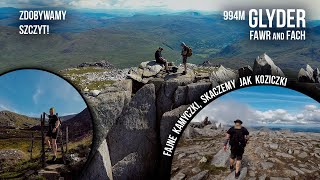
237	136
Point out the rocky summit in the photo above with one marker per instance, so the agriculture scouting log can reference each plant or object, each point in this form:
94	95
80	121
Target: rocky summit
134	110
268	155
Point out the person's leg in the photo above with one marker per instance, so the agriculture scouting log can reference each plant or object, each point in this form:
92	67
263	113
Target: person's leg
54	147
47	140
231	162
238	166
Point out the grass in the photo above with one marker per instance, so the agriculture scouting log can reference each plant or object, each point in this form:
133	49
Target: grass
211	168
20	169
98	84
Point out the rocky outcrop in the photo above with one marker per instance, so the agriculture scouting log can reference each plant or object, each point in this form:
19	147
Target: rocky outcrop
309	75
135	130
265	66
221	74
145	70
245	71
221	158
102	64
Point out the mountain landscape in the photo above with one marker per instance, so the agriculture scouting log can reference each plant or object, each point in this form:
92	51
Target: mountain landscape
13	120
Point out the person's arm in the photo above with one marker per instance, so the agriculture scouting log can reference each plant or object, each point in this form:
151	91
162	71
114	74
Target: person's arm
184	52
56	125
226	141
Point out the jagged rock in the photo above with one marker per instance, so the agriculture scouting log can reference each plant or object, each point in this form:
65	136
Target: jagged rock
195	170
221	158
221	74
188	133
316	75
245	71
261	152
125	167
100	165
135	74
167	122
308	75
178	176
136	131
265	66
243	174
200	176
266	165
105	109
195	90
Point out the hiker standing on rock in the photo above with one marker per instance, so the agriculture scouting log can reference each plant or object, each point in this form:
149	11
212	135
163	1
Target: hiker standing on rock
185	53
52	133
237	137
160	59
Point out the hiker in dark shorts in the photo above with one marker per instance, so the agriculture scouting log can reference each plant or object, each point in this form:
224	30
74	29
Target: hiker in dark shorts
160	59
237	137
52	132
184	54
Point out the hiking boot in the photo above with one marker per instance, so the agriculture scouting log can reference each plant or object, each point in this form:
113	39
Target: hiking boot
231	167
237	175
54	158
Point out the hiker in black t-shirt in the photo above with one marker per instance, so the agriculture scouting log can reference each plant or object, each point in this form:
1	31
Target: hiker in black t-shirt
237	137
160	59
52	132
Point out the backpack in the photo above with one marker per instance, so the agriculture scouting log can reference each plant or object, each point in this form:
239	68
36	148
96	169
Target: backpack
238	139
189	51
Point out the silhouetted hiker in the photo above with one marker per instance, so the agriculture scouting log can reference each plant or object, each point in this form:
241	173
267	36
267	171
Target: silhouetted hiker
237	137
160	59
52	133
185	53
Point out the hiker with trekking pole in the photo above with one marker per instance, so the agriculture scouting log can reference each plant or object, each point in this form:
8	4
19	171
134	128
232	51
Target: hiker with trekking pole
237	136
52	134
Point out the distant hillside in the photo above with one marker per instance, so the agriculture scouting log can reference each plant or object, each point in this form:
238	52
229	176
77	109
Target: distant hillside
289	55
123	41
79	126
13	120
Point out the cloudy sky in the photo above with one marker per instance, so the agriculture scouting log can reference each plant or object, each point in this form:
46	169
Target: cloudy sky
175	5
263	105
31	92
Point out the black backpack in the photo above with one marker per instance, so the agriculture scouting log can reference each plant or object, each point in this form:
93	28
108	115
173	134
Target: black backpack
237	138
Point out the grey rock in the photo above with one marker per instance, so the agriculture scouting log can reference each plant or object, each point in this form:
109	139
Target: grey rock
95	93
297	169
188	133
243	174
178	176
263	65
136	130
200	176
303	155
195	90
100	165
180	96
273	146
245	71
263	177
307	75
285	155
279	178
150	68
221	158
266	165
167	122
221	75
195	170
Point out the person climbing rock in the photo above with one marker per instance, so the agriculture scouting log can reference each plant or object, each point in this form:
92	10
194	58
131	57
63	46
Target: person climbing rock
160	60
52	133
237	136
185	53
